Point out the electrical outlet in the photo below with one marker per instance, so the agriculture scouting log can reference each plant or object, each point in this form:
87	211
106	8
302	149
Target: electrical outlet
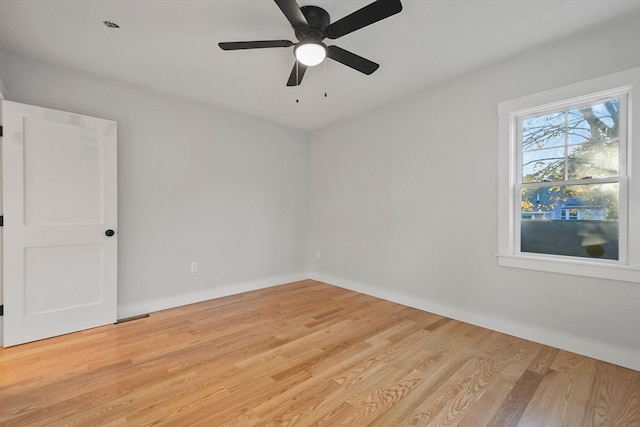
317	254
194	267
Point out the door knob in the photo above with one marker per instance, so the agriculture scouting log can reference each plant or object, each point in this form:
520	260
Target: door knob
109	233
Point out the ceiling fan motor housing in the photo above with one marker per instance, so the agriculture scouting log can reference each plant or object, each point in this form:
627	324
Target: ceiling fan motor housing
318	19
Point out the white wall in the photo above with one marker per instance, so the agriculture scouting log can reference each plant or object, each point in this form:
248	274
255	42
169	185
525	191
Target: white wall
196	183
404	206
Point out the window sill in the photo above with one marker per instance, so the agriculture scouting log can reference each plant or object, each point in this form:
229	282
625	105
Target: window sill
611	271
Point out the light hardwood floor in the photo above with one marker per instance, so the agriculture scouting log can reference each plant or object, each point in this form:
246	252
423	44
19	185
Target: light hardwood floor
306	354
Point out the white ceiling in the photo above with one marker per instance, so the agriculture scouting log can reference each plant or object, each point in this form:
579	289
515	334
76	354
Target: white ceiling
171	45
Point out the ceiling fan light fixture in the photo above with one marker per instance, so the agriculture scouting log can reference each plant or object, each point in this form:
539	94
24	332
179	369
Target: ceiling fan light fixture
310	54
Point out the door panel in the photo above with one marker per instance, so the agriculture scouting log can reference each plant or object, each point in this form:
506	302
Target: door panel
62	168
65	266
59	198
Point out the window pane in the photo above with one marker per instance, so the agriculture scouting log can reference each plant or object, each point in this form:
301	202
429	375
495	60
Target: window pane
576	220
593	159
574	144
543	165
543	131
578	129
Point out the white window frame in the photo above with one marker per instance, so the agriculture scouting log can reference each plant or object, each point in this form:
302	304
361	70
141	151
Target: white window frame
627	267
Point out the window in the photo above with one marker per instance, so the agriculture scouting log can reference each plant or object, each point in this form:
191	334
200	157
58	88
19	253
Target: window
566	196
569	170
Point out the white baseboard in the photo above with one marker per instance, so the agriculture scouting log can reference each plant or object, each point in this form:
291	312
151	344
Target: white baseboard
129	310
617	356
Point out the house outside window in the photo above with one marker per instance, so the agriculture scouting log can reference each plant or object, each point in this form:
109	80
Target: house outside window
567	202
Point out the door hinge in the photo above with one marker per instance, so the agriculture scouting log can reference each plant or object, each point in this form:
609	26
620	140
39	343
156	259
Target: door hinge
2	310
0	130
1	220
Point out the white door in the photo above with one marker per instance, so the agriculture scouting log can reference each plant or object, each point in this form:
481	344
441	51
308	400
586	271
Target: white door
59	188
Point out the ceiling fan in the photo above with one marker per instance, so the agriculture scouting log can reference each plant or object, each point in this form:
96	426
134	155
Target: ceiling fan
311	25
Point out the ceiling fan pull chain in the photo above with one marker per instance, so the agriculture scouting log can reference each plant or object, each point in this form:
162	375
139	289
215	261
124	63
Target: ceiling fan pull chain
325	78
297	79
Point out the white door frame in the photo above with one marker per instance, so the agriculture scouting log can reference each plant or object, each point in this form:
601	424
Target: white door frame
2	92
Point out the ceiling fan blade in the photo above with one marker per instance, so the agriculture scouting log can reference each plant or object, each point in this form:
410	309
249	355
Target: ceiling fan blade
352	60
374	12
295	78
254	44
292	12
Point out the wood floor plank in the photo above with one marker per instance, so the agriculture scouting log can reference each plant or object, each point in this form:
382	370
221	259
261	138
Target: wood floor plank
515	403
623	407
306	354
497	398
